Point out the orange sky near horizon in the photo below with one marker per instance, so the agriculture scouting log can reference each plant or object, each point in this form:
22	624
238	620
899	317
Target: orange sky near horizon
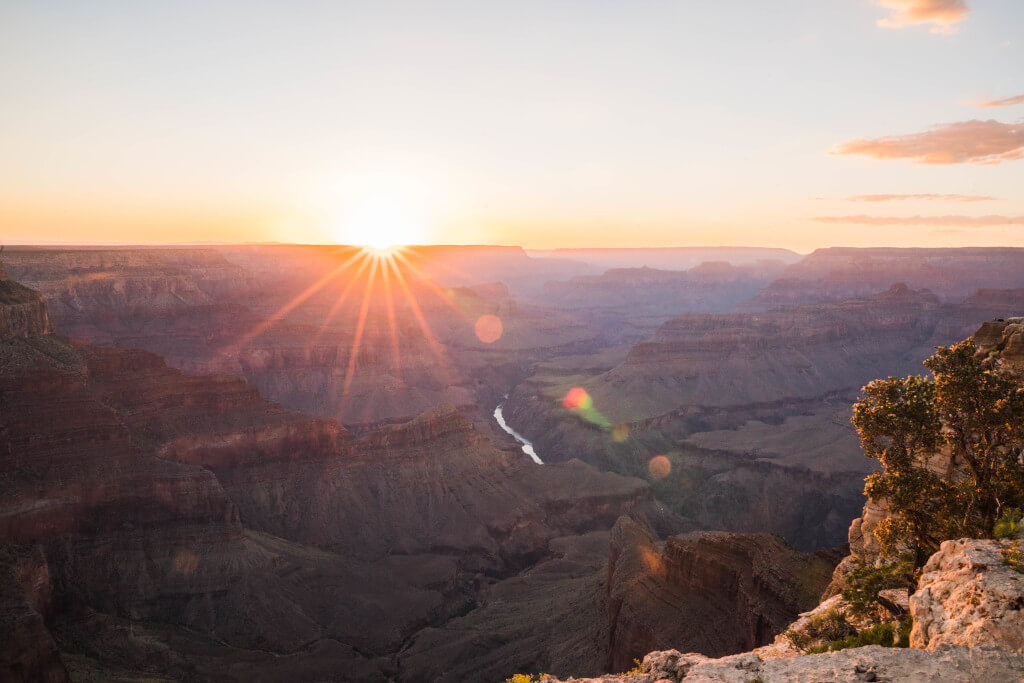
789	124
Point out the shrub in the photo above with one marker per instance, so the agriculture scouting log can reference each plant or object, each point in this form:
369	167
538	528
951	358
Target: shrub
1008	524
863	584
1013	557
886	635
638	668
975	414
826	626
829	625
903	632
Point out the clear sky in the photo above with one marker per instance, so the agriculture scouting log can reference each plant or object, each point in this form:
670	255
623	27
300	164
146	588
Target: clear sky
547	123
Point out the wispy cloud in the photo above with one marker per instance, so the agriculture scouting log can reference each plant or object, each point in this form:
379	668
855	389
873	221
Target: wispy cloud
946	221
943	15
926	196
1005	102
975	142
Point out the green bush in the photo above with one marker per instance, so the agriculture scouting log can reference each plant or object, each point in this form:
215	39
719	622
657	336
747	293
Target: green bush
827	626
886	635
903	632
1013	557
863	584
967	409
1008	524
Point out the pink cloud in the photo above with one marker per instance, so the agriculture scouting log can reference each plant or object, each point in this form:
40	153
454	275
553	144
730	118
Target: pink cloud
975	142
939	197
942	14
1005	102
947	221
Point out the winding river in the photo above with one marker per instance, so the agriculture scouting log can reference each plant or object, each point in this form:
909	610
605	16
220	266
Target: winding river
499	417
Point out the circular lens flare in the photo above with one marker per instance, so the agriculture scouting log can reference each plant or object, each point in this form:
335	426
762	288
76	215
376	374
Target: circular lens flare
488	328
577	399
659	466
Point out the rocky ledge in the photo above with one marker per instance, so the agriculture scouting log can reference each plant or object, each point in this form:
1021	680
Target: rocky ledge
948	664
968	626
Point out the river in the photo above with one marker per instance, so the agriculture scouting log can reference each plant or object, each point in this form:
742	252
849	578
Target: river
499	417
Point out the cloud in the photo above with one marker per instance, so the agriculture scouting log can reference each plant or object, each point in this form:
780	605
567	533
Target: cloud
942	14
975	142
941	197
1005	102
946	221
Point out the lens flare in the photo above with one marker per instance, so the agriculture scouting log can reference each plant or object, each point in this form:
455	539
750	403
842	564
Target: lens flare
185	561
659	466
488	328
620	433
577	399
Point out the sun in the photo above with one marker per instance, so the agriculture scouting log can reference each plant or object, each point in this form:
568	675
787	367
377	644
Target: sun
382	217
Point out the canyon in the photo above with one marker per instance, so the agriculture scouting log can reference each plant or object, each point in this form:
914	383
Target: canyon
962	610
222	463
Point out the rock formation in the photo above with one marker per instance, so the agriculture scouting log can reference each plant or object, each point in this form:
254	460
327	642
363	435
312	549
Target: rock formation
708	592
285	318
871	663
187	528
966	610
838	273
968	595
747	407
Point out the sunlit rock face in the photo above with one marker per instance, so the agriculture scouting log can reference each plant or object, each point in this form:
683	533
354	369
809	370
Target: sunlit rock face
872	663
967	595
709	592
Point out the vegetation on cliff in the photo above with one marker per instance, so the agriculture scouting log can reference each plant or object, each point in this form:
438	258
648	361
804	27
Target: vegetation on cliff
968	412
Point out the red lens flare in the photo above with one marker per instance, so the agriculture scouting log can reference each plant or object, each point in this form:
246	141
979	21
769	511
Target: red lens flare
488	328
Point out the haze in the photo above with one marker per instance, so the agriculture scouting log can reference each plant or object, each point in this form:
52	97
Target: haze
788	124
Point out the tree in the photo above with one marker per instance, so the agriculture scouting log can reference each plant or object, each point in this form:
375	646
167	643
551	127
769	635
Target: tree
969	413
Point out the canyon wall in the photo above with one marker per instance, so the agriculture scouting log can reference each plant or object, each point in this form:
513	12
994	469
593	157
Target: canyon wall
185	527
746	407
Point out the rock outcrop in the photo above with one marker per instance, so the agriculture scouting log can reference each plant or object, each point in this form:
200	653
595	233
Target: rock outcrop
873	663
968	595
22	311
967	611
708	592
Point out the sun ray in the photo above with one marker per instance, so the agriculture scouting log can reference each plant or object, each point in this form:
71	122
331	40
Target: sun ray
431	285
364	262
360	325
445	365
396	355
290	306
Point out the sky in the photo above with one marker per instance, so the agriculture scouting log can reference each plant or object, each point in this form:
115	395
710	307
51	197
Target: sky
555	123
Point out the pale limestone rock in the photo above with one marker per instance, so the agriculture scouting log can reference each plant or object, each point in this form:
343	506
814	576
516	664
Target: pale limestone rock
897	596
948	664
967	596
